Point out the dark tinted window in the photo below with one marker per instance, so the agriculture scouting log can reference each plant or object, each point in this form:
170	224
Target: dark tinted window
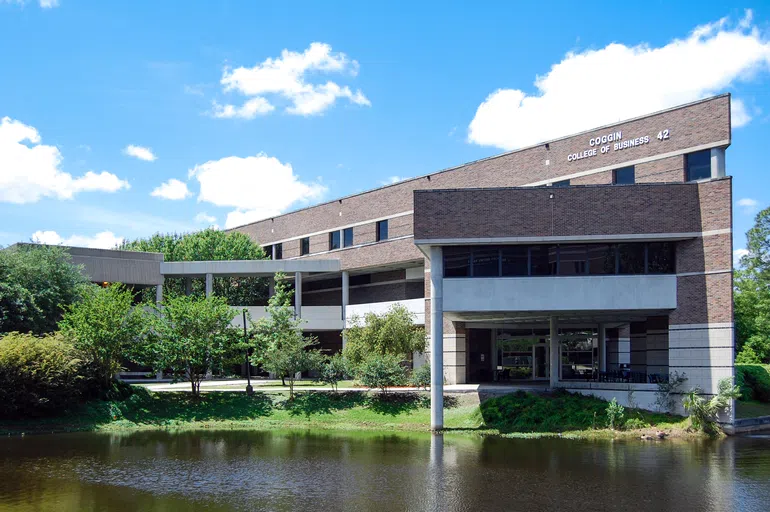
540	264
631	258
601	259
278	251
269	251
660	258
515	260
334	240
698	165
486	261
562	183
304	246
624	176
347	237
382	230
457	261
572	260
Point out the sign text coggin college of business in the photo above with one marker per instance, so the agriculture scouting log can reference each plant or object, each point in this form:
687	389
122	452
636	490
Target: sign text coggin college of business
613	142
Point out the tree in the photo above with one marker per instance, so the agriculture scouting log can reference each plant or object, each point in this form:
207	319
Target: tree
106	327
281	348
393	333
191	336
209	245
381	371
703	413
37	283
752	293
333	370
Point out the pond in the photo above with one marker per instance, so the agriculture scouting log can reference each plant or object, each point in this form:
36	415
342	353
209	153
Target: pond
247	470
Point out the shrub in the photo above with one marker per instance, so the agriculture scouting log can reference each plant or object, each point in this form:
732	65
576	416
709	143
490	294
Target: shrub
754	381
747	356
664	396
635	423
382	371
38	375
333	370
703	413
615	414
421	376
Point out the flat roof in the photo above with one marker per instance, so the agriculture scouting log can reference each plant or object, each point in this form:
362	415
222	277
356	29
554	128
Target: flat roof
247	268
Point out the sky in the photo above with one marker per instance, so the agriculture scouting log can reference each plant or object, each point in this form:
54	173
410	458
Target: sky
122	119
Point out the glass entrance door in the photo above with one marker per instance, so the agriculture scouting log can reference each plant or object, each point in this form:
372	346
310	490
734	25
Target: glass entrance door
541	369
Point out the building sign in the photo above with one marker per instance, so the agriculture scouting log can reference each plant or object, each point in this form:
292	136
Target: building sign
609	142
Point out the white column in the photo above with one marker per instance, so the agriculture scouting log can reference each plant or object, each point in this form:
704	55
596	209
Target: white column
272	252
298	294
209	284
345	300
159	292
554	352
602	348
436	338
718	163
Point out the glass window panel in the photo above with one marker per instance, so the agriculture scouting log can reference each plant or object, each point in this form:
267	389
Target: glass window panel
559	184
515	260
699	165
334	240
347	235
624	176
601	259
631	258
540	263
278	251
457	261
268	251
572	260
304	246
660	258
486	262
382	230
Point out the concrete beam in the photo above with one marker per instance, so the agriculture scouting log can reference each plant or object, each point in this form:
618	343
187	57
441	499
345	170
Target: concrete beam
247	268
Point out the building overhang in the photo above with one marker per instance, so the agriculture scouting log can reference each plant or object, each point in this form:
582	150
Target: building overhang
246	268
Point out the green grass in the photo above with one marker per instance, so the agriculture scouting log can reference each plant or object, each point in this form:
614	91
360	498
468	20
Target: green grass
520	414
751	409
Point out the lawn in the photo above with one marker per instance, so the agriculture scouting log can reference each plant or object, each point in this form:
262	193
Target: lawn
751	409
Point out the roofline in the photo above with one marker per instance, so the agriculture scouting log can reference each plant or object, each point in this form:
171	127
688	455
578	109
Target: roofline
77	248
500	155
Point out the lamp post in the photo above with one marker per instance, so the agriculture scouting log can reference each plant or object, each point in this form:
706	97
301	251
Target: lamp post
249	388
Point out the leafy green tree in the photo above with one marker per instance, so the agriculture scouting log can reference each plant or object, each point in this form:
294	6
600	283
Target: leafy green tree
37	283
191	336
421	377
333	370
209	245
615	414
752	293
105	326
393	333
381	371
281	348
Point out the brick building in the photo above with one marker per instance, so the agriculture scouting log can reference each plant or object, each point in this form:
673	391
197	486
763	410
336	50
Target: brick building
599	262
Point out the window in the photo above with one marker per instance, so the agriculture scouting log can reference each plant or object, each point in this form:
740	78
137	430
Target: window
515	260
334	240
601	259
347	237
278	251
630	258
304	246
268	251
572	260
698	165
382	230
624	176
486	262
540	263
559	184
457	261
660	258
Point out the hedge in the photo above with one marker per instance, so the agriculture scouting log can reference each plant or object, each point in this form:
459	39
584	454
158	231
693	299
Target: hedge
754	381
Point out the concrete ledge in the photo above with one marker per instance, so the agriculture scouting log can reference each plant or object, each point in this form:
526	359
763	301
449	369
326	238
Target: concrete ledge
245	268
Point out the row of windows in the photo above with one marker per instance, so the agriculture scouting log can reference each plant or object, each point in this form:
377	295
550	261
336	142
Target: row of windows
337	239
559	260
697	167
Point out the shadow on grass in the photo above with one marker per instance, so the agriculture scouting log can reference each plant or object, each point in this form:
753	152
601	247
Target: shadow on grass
391	404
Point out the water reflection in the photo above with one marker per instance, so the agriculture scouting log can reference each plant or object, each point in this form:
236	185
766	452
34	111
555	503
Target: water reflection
242	470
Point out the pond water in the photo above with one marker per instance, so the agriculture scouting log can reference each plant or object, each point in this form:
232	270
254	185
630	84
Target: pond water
246	470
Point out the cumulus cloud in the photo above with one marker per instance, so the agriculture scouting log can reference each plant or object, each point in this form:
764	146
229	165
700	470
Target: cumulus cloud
173	190
393	179
287	77
737	255
103	240
140	152
617	82
748	205
45	4
206	219
257	187
30	170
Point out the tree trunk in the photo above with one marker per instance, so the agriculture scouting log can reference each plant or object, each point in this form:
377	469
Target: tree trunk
283	380
291	388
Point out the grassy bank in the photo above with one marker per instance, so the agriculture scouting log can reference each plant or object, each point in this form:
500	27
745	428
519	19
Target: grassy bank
518	415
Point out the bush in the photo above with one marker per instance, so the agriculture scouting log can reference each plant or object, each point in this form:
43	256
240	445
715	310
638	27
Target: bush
754	381
38	375
333	370
703	413
636	423
421	376
382	371
664	396
615	414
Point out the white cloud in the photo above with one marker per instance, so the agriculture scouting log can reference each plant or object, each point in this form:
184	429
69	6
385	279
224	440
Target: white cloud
617	82
257	186
140	152
206	219
737	255
393	179
103	240
286	76
749	206
249	110
173	190
47	4
30	170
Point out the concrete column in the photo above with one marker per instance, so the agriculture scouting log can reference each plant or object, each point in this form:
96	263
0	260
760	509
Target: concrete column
493	343
159	293
272	254
554	351
270	287
209	284
718	163
436	338
187	285
602	348
345	301
298	294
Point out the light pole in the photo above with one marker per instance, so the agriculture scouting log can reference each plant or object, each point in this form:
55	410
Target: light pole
249	388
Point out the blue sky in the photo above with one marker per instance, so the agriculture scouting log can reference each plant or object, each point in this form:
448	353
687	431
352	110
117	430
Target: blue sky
260	107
